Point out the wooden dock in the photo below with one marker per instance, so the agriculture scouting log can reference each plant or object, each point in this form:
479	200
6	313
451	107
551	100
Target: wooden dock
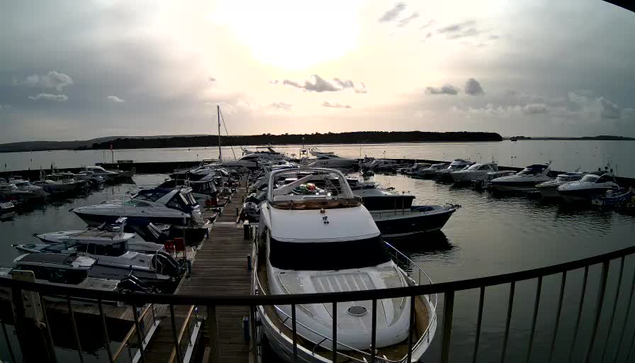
219	268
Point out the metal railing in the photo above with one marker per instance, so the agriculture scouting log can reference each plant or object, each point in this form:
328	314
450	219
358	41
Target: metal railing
187	336
587	339
138	336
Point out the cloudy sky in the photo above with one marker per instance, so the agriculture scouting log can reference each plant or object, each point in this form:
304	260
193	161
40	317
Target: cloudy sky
83	69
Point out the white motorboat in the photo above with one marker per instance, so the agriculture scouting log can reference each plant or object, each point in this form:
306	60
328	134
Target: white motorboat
414	169
99	171
395	215
104	234
455	165
524	181
69	270
591	185
549	189
59	183
23	193
334	161
473	172
252	158
430	172
316	237
317	153
170	206
114	260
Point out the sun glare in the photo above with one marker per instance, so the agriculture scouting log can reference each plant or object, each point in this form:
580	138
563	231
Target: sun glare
292	34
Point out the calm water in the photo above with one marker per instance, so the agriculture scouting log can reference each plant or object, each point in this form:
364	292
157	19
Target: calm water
488	235
565	155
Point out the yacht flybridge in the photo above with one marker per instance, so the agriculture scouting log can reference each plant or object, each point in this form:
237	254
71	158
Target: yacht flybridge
315	236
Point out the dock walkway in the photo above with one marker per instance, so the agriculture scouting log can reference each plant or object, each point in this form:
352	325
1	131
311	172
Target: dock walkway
219	268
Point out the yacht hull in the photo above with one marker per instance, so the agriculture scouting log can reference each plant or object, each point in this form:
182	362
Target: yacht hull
523	186
550	192
400	224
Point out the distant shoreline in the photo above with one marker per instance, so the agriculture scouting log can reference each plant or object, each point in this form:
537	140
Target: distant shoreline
583	138
154	142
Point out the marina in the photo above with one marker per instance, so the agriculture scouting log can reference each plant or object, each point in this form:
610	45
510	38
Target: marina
220	264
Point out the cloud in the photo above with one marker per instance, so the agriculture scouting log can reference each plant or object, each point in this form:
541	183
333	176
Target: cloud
393	13
403	22
535	108
319	84
473	87
274	81
335	105
281	106
115	99
362	89
609	110
49	97
448	89
460	30
429	23
53	79
344	84
212	79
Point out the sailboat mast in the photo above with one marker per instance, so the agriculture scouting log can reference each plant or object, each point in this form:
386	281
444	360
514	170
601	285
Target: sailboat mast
220	152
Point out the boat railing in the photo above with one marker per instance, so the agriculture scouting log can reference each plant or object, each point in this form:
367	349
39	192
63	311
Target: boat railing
602	323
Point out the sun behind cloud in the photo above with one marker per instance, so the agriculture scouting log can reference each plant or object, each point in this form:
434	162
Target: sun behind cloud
292	34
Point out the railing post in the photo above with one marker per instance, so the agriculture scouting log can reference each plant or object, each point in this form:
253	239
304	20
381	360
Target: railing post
177	346
479	322
34	347
212	325
334	336
135	314
580	306
628	311
373	331
510	306
617	296
558	313
295	333
448	312
534	319
598	312
74	325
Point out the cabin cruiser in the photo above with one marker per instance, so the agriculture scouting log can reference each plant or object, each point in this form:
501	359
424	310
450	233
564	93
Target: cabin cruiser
70	270
591	185
108	176
93	180
473	173
252	158
524	181
317	153
170	206
202	190
395	215
114	260
334	161
430	172
59	183
549	189
21	190
455	165
414	169
316	237
108	234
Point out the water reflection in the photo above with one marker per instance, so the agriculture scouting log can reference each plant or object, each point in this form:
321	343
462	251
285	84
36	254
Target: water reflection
425	244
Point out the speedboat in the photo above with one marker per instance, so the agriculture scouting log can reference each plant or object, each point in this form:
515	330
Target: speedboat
414	169
59	183
455	165
24	193
334	161
473	172
93	180
69	270
524	181
395	215
591	185
113	234
170	206
108	176
203	189
549	189
430	172
252	158
315	236
114	260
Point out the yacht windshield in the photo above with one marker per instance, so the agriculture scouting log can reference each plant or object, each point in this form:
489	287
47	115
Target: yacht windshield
533	170
474	167
590	178
328	255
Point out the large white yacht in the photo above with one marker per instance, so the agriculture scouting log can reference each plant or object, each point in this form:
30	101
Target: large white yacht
333	161
524	181
455	165
171	206
315	236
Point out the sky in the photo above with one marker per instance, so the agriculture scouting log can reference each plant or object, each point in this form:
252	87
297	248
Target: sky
84	69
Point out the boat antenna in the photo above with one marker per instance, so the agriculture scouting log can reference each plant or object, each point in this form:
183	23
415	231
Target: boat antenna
220	152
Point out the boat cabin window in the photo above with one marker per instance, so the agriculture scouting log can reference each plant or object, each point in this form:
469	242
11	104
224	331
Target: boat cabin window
57	275
605	179
533	170
327	255
590	178
178	202
116	249
151	194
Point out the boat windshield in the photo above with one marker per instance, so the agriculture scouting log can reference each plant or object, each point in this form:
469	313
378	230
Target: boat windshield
474	167
590	178
533	170
321	256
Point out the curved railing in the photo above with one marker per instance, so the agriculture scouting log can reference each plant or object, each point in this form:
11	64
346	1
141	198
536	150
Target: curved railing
591	348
